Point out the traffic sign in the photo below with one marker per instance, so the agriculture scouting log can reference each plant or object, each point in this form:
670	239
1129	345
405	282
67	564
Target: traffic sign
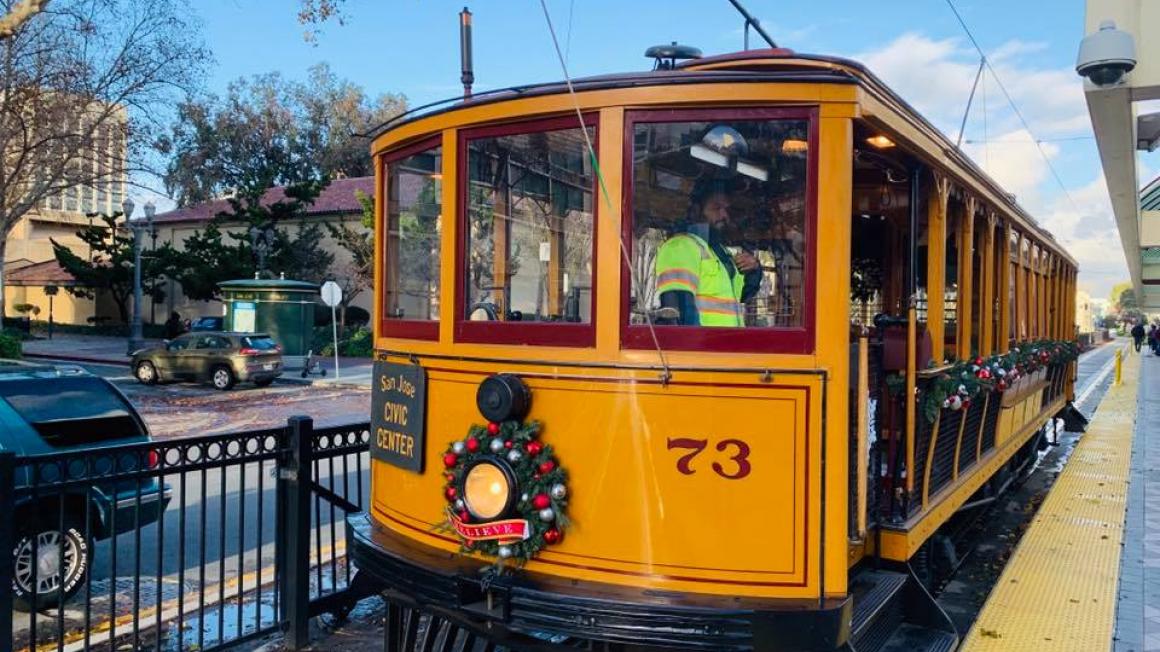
331	294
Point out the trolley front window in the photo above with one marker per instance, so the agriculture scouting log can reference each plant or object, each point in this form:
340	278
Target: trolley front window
414	215
528	226
721	229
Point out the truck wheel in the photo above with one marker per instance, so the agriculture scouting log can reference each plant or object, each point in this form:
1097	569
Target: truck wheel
222	377
52	587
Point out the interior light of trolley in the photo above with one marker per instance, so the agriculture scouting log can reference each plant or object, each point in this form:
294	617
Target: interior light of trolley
880	141
713	157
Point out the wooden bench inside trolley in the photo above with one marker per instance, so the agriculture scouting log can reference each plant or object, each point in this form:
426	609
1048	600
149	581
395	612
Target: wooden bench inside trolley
761	483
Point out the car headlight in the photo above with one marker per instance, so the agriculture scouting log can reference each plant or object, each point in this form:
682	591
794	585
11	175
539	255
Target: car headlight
487	490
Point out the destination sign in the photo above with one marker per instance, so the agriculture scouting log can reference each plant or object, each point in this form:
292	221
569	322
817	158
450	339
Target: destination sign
399	415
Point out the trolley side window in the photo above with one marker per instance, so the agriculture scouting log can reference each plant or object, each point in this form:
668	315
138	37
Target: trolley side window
413	191
528	221
721	206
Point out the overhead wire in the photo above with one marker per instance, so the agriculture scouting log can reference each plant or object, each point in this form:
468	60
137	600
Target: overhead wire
609	210
1014	107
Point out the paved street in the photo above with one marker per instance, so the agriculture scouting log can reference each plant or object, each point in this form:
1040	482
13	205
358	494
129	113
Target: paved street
187	409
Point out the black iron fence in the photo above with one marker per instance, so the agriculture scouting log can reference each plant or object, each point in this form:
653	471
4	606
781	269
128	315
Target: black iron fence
189	544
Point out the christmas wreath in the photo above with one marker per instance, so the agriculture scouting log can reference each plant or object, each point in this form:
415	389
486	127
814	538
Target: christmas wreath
505	491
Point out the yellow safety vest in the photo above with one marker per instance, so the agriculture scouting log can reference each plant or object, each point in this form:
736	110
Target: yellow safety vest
685	262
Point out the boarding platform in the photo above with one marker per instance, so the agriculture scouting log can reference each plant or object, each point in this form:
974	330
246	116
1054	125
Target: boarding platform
1079	578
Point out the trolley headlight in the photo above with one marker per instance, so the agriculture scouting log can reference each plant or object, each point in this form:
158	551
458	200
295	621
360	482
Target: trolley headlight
488	489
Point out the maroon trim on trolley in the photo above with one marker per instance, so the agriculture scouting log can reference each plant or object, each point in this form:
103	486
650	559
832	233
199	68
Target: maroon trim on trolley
419	329
506	332
749	340
801	551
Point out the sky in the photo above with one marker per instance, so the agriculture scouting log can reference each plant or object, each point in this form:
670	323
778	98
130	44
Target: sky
917	47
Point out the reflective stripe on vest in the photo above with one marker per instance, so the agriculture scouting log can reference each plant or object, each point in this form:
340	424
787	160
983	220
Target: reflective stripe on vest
718	296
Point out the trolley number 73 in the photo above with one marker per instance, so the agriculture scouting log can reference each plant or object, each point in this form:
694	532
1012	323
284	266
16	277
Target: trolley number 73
732	463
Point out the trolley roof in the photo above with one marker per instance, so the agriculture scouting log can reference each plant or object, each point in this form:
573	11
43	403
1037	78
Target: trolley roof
778	65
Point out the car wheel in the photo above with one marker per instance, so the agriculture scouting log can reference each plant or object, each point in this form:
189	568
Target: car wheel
222	378
265	382
52	587
146	373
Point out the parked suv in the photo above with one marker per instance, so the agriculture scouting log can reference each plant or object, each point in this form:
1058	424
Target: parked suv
48	409
220	358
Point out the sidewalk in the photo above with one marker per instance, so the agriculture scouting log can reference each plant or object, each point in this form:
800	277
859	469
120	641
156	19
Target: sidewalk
1138	593
1058	590
97	349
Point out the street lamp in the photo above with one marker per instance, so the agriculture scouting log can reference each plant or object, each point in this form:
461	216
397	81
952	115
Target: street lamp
150	211
135	326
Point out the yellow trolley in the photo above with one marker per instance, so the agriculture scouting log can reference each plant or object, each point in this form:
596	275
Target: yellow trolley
540	323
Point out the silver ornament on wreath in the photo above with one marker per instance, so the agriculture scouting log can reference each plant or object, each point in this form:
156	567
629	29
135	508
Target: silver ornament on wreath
496	445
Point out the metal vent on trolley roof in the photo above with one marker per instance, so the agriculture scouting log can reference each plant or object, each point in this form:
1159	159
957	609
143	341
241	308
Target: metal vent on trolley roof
665	57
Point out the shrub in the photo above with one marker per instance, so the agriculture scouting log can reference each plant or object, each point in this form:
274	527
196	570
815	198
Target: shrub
360	345
10	346
356	316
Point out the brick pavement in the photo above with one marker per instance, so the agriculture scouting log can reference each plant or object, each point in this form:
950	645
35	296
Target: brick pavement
1138	607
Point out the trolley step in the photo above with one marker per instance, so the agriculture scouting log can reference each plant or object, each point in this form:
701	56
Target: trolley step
893	612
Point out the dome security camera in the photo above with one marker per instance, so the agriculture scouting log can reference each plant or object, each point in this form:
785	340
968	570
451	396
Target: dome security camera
1107	55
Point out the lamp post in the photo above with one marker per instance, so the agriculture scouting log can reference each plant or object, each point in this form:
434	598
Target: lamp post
135	326
150	211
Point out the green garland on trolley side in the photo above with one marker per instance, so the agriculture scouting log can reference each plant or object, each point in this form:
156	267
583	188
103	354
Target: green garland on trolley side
964	380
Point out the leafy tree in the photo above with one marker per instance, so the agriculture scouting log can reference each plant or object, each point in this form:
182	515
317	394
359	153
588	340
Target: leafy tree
216	254
269	131
1117	290
110	266
80	89
359	272
1126	302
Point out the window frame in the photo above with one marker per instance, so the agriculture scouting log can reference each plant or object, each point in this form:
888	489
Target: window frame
521	333
417	329
774	339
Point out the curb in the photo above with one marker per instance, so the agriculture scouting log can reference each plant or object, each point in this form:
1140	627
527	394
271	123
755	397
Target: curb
77	358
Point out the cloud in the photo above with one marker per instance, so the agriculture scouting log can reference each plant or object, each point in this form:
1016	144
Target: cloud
1085	226
935	76
1016	163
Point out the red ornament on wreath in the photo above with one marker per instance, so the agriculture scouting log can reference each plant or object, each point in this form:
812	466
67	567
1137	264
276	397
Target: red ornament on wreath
472	444
492	428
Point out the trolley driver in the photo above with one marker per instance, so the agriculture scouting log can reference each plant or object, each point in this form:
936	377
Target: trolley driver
696	275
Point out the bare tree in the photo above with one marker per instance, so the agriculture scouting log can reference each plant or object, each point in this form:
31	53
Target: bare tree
310	13
85	87
18	14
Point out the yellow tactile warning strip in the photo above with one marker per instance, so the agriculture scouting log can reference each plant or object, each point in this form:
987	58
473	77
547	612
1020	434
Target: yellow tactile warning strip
1058	592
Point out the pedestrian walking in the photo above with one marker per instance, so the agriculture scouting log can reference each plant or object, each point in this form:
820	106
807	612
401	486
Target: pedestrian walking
1138	335
174	326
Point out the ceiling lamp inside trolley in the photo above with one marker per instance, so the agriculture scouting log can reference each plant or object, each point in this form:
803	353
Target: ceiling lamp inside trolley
880	141
724	147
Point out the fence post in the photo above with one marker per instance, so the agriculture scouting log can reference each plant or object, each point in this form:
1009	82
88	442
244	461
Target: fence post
293	529
7	506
